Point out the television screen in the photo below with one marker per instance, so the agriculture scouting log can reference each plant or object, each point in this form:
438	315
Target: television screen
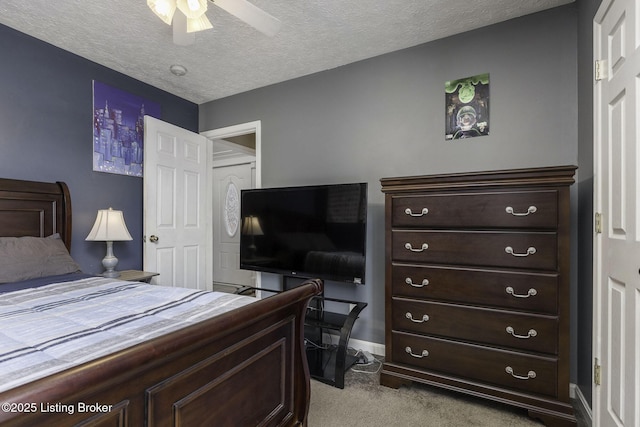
311	231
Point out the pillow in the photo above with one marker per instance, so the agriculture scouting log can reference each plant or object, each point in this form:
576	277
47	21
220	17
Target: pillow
23	258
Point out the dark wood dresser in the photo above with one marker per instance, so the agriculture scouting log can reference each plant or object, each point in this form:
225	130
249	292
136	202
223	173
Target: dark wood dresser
477	286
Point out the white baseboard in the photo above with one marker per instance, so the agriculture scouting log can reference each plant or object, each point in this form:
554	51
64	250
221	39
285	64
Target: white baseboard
371	347
576	394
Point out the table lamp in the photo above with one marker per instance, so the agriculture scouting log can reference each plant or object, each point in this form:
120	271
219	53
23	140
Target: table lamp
109	227
251	227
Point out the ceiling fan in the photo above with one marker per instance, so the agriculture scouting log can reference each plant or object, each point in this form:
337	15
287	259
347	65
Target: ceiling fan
192	17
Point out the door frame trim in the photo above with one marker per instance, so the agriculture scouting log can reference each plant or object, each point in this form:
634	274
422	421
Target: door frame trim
596	346
228	132
237	130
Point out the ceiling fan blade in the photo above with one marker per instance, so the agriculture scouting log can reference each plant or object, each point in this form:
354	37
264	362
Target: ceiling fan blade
252	15
180	35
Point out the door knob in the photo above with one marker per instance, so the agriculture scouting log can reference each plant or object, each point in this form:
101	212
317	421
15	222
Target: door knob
153	238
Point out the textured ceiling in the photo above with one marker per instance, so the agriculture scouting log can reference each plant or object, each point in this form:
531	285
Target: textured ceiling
316	35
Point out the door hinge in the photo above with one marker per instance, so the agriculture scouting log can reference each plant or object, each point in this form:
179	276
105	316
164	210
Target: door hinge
598	223
600	69
596	372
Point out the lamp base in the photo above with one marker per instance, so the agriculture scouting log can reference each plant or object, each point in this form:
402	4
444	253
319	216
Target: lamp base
109	262
111	274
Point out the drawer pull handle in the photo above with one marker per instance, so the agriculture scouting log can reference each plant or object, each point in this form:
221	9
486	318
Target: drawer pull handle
409	282
530	210
409	316
530	251
531	293
530	374
530	334
423	212
424	353
423	248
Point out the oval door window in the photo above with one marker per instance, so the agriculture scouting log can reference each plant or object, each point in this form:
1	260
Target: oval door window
231	210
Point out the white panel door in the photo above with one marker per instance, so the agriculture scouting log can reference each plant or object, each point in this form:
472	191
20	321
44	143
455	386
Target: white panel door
617	247
228	181
176	225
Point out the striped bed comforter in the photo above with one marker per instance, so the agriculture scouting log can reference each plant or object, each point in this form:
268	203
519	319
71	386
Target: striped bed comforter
51	328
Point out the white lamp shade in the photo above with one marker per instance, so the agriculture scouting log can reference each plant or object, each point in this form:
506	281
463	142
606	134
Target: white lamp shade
164	9
192	8
251	226
109	227
198	24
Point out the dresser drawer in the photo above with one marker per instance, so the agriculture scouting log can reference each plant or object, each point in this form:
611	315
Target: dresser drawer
534	209
535	250
515	370
485	326
508	289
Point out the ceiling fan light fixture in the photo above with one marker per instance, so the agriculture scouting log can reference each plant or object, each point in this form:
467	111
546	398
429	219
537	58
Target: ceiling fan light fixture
164	9
192	9
198	24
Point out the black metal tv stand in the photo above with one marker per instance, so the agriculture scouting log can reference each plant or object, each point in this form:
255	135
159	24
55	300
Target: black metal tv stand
328	362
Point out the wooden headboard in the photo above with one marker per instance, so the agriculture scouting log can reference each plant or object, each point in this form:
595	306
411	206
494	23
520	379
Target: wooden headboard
30	208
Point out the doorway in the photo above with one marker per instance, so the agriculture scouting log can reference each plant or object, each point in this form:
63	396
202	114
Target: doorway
235	165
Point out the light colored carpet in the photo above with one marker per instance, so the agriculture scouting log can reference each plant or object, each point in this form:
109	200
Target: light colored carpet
365	403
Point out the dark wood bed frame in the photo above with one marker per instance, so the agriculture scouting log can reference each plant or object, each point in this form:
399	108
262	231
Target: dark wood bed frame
245	367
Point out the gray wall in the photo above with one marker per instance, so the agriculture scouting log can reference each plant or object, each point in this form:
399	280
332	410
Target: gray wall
46	134
384	117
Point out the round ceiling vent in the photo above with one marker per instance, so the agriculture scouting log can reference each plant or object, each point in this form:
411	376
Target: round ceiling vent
178	70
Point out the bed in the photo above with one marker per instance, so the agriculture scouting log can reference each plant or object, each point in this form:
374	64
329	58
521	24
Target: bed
246	366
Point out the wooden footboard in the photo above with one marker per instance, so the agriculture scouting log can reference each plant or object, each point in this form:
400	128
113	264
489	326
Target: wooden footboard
243	368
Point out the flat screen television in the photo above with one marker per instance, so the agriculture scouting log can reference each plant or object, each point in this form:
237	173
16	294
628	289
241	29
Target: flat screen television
314	231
